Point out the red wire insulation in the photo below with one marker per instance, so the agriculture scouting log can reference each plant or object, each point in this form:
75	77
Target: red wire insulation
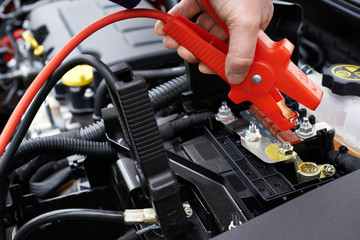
25	101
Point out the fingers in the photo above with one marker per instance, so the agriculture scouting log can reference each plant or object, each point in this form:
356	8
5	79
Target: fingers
243	37
186	8
206	22
243	19
187	55
205	69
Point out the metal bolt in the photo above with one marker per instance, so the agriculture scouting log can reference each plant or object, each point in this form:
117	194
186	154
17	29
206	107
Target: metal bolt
329	170
256	79
306	128
188	210
234	222
286	149
89	93
253	133
224	113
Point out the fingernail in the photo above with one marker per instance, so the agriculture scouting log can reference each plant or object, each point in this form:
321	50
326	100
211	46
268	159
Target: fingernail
235	78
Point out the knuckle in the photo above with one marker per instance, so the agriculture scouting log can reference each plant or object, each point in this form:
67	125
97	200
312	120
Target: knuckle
241	63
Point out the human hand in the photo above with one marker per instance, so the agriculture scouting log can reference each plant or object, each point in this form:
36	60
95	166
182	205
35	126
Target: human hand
244	19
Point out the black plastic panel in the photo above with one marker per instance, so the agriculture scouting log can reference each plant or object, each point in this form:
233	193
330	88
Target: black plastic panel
329	212
133	41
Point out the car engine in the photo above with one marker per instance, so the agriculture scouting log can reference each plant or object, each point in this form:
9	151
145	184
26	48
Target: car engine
125	140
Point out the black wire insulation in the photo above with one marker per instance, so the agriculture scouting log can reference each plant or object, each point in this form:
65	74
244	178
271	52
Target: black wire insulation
29	115
161	73
49	168
168	92
9	32
58	145
66	215
130	235
40	97
42	188
183	125
160	96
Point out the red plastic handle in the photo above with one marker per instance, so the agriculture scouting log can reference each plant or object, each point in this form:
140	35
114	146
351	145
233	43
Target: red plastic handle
272	70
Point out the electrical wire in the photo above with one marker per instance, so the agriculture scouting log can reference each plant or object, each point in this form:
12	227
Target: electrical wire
160	96
101	67
68	214
25	101
50	177
39	81
5	160
161	73
46	187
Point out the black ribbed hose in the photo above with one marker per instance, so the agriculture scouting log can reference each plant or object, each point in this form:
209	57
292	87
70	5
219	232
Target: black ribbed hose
182	125
160	96
168	92
65	146
6	158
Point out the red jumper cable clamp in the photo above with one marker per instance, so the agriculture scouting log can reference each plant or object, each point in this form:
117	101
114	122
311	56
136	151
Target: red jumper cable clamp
272	70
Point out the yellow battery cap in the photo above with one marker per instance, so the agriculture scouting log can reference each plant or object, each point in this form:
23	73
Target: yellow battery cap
78	76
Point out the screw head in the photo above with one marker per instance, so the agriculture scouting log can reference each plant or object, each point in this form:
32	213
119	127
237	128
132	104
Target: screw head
330	170
286	149
188	210
256	79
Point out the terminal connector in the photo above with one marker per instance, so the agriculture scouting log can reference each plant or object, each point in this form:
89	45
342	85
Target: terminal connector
135	216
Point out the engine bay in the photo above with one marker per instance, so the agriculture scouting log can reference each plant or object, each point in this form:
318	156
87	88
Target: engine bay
125	140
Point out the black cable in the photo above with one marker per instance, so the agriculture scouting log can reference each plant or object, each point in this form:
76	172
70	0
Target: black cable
161	73
13	43
183	125
130	235
168	92
57	145
99	100
40	97
48	169
29	115
160	96
68	214
308	45
42	188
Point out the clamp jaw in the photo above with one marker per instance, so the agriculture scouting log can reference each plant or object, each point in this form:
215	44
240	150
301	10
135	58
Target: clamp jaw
272	70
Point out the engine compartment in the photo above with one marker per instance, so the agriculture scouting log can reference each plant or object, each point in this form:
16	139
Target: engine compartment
137	144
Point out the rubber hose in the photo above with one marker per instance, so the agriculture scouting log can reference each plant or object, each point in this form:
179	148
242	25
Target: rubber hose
168	92
25	171
93	132
47	169
99	101
171	129
160	96
345	160
68	214
58	145
46	187
6	159
161	73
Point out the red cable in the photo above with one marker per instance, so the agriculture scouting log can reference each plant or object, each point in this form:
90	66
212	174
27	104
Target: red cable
25	101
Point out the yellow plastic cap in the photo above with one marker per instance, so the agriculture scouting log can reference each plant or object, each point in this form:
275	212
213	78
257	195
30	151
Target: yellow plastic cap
79	76
38	49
